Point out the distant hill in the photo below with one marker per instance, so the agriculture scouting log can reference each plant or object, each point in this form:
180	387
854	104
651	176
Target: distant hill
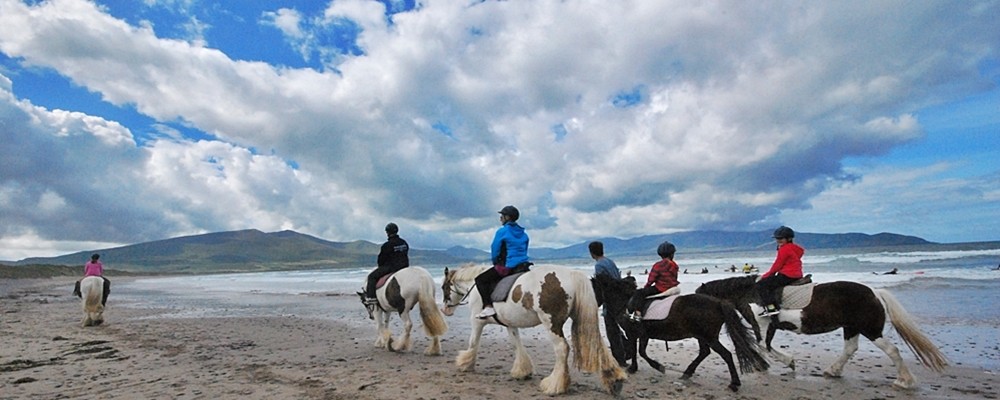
240	251
252	250
710	241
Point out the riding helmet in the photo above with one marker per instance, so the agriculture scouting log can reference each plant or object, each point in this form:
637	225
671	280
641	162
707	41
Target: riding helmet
666	250
391	229
784	232
511	212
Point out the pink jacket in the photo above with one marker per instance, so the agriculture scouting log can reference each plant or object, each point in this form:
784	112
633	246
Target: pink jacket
93	269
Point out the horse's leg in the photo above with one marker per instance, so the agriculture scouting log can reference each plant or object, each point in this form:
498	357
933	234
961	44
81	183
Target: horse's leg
632	341
522	368
734	376
703	351
643	343
558	381
774	353
383	338
466	359
406	341
905	380
748	315
850	346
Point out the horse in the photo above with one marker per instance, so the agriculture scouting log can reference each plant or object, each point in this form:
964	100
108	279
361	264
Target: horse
857	308
691	316
91	293
403	290
546	296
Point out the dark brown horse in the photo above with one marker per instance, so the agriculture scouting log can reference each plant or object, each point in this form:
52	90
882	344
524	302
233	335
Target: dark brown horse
691	316
858	309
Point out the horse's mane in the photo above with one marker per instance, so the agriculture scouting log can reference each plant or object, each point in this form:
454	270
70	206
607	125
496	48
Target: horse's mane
728	287
469	272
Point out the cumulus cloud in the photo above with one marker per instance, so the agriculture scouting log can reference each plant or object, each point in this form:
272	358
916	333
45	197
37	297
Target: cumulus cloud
595	119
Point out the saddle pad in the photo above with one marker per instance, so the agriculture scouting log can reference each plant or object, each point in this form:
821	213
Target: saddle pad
796	297
502	290
659	308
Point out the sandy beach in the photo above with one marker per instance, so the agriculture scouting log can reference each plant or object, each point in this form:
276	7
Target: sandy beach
143	352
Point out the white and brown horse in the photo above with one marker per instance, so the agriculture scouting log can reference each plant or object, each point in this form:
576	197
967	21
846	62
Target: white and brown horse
409	287
91	293
549	296
858	309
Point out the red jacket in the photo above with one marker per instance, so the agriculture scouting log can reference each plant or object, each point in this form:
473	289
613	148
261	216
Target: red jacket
788	262
663	275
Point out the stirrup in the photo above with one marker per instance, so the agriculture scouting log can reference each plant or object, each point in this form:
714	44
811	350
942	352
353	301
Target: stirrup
768	312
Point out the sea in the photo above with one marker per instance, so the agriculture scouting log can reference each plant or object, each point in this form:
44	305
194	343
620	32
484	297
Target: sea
953	294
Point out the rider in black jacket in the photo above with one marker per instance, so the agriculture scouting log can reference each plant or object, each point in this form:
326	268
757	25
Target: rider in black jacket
391	258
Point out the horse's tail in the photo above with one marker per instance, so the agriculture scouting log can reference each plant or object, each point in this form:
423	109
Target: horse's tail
925	350
747	351
430	314
589	352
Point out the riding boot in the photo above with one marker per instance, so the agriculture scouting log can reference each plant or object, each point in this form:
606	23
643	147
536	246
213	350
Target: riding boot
76	290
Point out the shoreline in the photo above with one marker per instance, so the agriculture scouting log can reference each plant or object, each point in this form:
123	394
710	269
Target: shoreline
140	353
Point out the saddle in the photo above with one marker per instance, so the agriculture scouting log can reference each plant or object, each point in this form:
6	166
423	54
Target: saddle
502	289
381	281
798	294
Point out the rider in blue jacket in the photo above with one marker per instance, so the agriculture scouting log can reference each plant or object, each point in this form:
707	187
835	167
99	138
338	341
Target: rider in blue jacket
508	251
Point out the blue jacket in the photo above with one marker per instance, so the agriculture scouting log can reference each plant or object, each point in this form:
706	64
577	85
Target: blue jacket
510	241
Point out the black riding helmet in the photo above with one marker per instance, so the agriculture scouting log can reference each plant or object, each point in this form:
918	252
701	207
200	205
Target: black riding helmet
784	232
391	229
666	250
511	212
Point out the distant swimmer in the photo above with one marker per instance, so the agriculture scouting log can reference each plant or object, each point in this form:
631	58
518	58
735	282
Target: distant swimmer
893	272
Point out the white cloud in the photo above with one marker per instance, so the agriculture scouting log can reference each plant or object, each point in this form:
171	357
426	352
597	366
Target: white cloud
745	111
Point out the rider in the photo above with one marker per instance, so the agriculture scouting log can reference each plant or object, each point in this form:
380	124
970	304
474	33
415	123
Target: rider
662	277
391	258
94	268
787	268
508	251
604	265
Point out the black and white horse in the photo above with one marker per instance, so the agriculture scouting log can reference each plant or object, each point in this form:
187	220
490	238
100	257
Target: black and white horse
408	288
858	309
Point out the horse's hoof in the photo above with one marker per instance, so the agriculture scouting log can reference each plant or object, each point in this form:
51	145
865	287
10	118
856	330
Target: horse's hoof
734	387
616	387
633	369
687	376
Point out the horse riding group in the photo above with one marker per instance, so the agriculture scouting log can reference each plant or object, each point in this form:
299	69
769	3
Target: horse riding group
510	294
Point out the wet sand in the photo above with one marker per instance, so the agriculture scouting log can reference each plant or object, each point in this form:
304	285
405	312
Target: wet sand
152	353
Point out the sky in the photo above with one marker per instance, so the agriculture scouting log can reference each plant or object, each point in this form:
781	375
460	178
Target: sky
129	121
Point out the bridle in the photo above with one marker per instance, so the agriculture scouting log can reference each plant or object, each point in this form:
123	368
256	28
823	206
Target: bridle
461	302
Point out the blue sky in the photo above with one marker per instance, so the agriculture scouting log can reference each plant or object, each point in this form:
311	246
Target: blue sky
130	121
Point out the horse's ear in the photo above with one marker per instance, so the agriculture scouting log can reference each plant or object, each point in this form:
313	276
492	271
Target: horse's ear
445	271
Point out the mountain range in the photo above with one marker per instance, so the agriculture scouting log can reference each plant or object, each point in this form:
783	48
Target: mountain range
252	250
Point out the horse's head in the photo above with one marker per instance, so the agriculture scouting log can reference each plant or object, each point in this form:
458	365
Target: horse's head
451	296
730	288
613	293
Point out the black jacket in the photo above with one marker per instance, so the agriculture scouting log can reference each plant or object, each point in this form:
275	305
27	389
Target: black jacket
394	253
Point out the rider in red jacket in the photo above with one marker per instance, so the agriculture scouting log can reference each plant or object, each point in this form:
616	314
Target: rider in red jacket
787	268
